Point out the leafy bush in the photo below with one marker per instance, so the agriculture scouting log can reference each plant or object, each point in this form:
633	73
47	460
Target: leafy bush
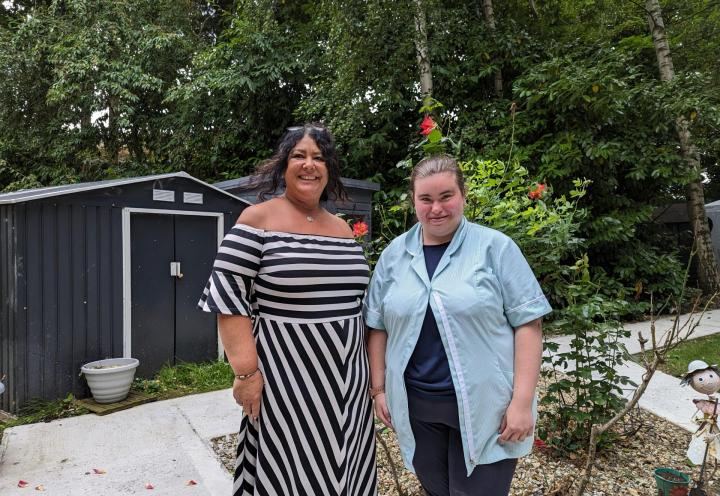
584	388
503	197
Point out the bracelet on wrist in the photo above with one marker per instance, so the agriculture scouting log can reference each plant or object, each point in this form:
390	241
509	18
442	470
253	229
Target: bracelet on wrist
242	377
374	391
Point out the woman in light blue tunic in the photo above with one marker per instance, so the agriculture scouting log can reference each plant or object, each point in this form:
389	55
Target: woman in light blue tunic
455	342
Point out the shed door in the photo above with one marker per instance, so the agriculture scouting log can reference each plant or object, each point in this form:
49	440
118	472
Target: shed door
166	325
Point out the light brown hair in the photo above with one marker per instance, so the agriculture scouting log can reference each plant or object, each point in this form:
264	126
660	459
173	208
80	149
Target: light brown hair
437	164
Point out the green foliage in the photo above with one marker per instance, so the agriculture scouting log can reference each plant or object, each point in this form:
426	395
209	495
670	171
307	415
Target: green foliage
96	89
602	115
364	87
187	378
83	85
584	388
545	228
44	411
238	95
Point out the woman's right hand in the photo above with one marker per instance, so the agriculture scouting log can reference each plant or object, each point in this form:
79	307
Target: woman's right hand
381	410
248	393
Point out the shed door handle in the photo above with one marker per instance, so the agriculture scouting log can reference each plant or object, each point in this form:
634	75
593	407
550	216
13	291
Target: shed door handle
175	270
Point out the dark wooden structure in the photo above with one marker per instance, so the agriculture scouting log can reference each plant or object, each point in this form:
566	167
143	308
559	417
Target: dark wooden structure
358	206
106	269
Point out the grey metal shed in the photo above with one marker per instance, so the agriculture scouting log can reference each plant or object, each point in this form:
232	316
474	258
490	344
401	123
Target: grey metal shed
106	269
712	210
358	206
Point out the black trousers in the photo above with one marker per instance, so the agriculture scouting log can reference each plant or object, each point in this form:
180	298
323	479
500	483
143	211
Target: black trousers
439	461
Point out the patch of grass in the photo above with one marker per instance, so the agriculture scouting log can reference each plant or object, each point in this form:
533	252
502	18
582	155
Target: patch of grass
43	411
186	378
706	348
170	382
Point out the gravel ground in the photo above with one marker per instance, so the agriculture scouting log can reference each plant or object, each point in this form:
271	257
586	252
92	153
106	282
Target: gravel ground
625	469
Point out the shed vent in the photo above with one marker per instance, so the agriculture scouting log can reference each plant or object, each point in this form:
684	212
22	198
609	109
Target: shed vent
193	198
163	195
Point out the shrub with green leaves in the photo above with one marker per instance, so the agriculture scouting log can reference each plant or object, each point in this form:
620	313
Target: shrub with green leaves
503	197
584	387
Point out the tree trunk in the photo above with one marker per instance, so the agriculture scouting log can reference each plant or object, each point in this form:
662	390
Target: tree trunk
490	21
421	47
534	8
708	273
113	147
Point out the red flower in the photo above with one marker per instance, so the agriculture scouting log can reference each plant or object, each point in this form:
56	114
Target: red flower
540	445
427	125
360	229
537	192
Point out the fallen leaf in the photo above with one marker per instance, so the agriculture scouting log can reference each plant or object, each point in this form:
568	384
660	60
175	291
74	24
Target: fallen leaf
100	471
149	486
191	483
40	488
22	483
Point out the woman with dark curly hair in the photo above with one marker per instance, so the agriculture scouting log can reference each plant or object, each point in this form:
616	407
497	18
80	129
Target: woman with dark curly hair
288	283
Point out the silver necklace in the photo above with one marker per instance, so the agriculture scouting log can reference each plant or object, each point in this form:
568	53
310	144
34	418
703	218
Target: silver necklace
309	218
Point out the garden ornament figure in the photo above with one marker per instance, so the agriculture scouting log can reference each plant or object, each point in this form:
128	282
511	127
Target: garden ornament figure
705	442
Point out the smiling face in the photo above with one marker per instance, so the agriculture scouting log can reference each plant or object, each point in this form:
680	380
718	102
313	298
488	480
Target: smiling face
439	204
306	174
705	381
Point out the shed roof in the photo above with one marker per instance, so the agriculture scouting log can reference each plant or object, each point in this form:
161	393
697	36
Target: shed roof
244	182
671	213
675	213
66	189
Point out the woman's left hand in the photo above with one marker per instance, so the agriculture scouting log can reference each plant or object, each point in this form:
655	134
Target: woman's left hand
517	423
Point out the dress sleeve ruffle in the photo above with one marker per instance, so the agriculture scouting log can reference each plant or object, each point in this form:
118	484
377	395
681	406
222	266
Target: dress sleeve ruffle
229	288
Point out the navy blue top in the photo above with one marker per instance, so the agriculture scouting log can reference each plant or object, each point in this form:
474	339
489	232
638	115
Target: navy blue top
428	371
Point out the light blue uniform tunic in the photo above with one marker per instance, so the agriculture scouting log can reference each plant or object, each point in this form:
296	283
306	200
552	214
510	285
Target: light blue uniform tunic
482	288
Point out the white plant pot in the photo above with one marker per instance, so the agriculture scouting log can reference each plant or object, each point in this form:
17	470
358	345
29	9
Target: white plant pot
110	379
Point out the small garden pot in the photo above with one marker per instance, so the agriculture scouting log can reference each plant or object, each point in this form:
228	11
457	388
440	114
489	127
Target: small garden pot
110	379
671	482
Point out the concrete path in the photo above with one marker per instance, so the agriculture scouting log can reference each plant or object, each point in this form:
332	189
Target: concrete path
664	396
165	443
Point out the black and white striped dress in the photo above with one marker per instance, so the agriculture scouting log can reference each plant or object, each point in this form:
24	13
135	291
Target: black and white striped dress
315	433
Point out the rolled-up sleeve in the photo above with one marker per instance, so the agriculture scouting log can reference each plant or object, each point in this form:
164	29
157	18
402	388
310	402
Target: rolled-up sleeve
523	299
229	288
373	306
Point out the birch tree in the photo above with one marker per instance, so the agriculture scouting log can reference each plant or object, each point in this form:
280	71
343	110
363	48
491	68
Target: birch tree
421	48
708	273
490	21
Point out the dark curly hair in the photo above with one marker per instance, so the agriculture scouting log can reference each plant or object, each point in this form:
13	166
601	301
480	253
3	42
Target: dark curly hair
270	174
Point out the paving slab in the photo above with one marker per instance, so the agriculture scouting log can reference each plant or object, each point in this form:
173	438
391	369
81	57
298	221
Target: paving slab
707	324
165	444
